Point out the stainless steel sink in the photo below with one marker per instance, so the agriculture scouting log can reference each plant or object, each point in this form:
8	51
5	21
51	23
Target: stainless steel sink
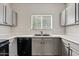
38	35
42	35
46	35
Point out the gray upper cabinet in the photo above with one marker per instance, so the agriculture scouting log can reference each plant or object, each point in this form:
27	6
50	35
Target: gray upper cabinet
7	15
14	18
63	14
70	14
77	13
2	18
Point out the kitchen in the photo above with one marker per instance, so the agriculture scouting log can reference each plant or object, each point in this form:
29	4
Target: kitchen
39	29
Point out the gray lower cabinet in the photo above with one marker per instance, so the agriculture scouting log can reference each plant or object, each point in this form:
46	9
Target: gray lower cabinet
69	48
75	49
13	47
64	48
36	47
46	46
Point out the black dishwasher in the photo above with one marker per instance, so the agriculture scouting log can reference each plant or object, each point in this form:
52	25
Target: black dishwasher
24	46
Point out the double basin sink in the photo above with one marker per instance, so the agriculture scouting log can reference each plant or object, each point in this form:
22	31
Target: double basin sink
42	35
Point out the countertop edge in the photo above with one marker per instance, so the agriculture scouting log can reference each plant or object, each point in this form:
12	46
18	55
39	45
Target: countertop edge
66	37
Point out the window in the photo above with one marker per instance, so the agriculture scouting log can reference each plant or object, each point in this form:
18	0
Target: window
41	22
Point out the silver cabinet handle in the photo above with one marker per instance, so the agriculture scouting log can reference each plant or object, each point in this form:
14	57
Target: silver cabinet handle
69	50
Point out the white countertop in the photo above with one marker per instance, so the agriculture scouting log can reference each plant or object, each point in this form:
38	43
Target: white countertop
67	37
36	36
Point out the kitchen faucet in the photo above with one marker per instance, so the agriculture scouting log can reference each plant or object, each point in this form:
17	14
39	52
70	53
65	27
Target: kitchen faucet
41	33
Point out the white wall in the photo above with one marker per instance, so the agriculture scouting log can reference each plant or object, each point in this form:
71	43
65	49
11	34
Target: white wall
5	31
73	30
25	11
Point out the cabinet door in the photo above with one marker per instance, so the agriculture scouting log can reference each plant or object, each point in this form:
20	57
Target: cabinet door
13	47
70	14
64	48
36	46
63	18
51	46
77	13
75	49
8	14
2	14
14	18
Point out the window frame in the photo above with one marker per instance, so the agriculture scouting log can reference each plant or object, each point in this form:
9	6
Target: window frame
41	22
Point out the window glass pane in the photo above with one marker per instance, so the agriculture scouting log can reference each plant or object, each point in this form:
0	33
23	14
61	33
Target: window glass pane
41	22
36	22
46	22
